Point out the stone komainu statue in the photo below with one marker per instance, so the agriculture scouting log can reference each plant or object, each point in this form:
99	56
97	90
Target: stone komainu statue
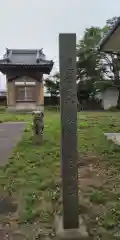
38	123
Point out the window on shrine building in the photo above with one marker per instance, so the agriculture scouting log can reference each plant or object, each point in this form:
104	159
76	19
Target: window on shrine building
25	93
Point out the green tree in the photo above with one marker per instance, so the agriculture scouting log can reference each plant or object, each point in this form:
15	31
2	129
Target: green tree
96	69
52	85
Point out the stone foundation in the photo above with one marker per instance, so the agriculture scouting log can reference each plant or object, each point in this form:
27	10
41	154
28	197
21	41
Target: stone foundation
114	137
25	108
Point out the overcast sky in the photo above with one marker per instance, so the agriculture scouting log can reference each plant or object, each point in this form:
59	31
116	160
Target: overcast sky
37	23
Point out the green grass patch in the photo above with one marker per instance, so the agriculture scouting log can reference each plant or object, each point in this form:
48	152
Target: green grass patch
33	169
32	175
97	197
112	217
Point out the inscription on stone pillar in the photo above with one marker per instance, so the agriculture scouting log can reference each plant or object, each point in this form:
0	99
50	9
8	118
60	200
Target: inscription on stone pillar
68	110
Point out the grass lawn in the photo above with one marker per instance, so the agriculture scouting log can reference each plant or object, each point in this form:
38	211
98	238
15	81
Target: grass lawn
31	178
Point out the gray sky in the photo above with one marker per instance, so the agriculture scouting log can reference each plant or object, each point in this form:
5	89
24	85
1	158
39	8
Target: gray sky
37	23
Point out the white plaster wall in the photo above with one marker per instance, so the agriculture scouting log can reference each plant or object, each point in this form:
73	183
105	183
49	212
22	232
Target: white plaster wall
25	78
110	98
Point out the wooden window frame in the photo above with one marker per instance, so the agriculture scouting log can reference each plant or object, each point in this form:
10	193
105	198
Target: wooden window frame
25	93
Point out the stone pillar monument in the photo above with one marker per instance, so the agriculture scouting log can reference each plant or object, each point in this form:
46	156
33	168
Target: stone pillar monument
70	225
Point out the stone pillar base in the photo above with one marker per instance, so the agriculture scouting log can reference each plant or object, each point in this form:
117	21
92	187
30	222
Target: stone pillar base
70	234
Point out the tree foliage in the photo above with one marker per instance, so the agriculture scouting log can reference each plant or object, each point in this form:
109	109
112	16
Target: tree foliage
52	84
94	68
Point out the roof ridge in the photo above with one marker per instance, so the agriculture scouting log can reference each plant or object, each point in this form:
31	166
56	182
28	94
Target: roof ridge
25	50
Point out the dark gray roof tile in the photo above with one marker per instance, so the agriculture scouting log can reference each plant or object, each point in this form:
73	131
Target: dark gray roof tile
24	56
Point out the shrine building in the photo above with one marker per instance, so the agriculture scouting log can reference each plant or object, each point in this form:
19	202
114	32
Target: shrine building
24	69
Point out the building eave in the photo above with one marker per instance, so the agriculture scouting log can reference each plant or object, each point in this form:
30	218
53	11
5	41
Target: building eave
25	57
103	42
44	68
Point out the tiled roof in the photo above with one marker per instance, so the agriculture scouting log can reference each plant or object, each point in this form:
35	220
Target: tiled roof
108	35
24	57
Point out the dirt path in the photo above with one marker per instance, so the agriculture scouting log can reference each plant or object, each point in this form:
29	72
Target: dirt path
10	134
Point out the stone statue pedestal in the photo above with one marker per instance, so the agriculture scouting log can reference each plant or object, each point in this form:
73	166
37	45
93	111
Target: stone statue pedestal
70	234
37	139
